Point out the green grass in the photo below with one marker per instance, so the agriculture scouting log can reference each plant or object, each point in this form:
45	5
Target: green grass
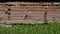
51	28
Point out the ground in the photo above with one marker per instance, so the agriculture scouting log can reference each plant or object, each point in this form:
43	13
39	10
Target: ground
51	28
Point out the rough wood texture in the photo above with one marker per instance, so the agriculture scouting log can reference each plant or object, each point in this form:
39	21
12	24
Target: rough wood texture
29	13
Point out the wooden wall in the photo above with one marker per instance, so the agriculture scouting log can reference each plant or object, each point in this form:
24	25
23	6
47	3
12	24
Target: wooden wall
29	14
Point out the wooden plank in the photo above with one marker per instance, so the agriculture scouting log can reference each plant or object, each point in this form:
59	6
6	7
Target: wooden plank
15	18
17	14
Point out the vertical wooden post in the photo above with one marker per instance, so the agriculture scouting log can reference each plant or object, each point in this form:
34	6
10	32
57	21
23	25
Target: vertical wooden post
9	14
45	17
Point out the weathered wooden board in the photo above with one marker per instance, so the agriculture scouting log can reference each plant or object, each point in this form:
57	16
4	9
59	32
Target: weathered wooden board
29	14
